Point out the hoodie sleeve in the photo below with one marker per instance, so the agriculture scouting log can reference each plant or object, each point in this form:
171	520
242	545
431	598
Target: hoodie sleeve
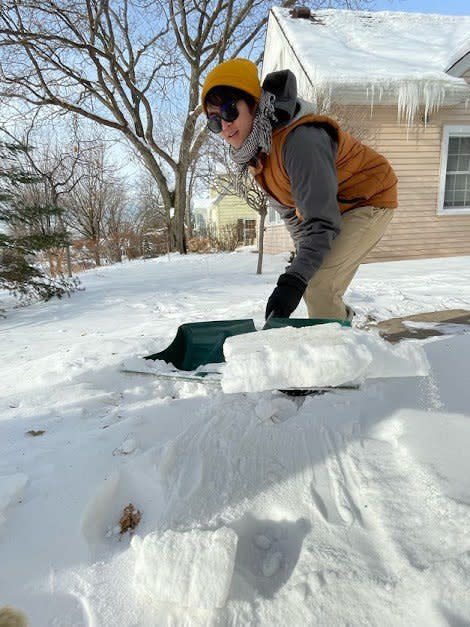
309	155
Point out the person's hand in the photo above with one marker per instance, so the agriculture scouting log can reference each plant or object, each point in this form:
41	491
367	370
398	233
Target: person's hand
285	297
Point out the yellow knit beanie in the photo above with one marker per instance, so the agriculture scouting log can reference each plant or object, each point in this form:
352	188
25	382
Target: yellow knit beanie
239	73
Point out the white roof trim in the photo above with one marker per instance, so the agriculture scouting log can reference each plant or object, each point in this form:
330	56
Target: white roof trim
461	66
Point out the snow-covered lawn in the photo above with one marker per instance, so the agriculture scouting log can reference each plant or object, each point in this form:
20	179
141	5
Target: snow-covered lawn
343	509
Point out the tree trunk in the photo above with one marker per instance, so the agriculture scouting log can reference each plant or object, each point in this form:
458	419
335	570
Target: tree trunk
67	248
52	271
96	252
169	236
189	219
259	269
60	257
180	211
69	261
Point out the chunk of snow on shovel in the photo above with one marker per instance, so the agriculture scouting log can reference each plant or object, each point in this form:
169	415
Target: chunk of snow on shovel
327	355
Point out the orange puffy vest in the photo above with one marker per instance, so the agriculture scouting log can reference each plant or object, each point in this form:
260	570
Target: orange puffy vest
364	176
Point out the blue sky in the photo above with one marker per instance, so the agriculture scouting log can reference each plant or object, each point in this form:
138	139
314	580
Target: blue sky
445	7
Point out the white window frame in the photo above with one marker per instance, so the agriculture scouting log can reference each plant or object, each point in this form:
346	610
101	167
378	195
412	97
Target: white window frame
448	132
277	220
245	220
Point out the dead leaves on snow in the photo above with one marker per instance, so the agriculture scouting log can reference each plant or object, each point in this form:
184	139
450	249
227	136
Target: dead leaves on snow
130	518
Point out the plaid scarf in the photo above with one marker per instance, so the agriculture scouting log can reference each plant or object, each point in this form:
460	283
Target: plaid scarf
258	141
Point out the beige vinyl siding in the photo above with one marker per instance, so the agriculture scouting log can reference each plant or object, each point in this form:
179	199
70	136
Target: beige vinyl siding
417	230
277	240
415	154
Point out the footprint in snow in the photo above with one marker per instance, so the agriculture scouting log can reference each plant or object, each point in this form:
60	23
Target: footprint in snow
267	553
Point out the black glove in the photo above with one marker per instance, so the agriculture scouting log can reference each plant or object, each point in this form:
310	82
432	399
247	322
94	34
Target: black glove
286	296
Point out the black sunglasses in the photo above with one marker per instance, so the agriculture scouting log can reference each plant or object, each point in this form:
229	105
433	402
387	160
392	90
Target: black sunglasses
228	112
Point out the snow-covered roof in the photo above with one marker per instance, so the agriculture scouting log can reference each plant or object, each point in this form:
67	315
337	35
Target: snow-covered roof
358	57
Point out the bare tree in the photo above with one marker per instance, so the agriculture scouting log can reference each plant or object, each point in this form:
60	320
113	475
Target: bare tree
117	225
97	195
55	162
153	219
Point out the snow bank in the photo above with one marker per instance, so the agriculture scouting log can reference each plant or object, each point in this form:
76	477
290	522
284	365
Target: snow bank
321	356
360	500
192	569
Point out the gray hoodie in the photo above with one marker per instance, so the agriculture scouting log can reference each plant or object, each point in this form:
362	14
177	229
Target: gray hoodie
309	155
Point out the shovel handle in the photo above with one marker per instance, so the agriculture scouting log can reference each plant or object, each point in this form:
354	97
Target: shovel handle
267	320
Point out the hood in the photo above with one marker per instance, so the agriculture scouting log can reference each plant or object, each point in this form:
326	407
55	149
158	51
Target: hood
283	85
288	106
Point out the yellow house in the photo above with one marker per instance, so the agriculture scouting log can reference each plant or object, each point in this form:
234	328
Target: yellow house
227	210
406	77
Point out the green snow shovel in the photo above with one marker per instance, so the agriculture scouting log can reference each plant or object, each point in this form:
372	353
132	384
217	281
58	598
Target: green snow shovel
198	348
200	343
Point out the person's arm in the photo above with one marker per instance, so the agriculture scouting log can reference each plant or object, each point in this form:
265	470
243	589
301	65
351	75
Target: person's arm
310	161
309	155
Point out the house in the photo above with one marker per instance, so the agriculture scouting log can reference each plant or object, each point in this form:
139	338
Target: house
199	213
402	81
228	211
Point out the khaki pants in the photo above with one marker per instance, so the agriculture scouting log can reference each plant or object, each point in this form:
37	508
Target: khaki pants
361	230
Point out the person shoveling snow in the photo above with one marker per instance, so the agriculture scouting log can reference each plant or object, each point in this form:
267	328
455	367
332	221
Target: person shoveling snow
335	194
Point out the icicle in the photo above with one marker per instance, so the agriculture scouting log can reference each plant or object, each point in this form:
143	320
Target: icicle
372	98
408	101
434	97
381	91
320	94
413	94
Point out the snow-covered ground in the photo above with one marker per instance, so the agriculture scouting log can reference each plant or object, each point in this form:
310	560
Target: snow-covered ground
351	508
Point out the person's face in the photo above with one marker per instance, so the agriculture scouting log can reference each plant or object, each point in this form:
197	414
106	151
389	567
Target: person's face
235	133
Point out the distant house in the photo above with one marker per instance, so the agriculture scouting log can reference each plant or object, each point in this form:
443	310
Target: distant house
406	77
229	211
199	212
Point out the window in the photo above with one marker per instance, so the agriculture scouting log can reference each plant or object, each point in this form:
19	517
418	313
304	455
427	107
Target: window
273	217
454	195
246	231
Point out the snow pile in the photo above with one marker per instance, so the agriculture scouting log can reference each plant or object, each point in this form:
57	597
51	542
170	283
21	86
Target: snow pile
191	569
326	355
